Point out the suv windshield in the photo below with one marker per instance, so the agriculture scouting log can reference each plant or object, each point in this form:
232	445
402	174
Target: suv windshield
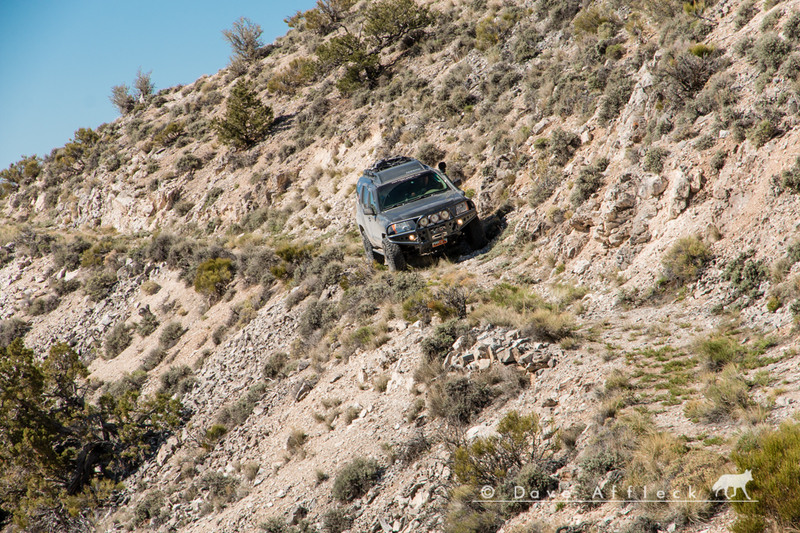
425	184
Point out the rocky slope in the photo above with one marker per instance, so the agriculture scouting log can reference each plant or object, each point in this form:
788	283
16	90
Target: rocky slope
595	140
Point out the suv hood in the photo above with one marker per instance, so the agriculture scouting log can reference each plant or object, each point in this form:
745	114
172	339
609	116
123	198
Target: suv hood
423	206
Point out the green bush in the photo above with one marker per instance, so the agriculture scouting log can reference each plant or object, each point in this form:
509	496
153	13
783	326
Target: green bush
458	399
773	457
654	159
745	13
790	179
336	521
147	325
717	351
153	359
13	328
589	180
275	366
746	275
247	120
791	29
213	277
43	305
177	380
188	163
562	145
770	51
117	340
355	479
441	340
99	285
170	335
546	325
761	133
319	315
149	508
684	261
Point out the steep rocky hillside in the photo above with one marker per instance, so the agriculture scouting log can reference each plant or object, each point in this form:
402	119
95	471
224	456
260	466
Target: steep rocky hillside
632	322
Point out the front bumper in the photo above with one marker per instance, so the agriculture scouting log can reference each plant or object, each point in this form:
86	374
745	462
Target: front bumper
430	238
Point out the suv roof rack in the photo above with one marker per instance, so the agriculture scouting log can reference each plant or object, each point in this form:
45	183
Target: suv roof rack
389	162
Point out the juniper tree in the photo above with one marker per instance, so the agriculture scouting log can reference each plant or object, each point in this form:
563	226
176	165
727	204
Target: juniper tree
59	450
247	120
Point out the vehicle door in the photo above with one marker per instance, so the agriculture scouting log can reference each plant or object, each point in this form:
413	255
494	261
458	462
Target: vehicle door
372	227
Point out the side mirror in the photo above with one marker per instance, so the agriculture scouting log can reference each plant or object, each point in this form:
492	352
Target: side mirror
443	167
369	211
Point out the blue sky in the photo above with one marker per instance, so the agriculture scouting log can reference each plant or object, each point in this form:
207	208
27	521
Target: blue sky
60	58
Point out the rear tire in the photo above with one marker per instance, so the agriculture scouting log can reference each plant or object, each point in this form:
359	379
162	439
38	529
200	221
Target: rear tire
475	235
393	254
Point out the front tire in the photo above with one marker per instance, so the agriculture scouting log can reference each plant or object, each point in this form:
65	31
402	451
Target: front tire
475	235
395	259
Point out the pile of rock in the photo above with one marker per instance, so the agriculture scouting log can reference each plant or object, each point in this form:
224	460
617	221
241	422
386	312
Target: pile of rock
505	347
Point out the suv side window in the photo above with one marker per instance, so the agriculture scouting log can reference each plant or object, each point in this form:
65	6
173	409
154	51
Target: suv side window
371	200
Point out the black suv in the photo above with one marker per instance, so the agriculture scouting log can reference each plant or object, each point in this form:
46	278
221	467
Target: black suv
404	206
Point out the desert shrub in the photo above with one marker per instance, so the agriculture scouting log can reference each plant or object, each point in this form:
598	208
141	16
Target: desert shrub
247	120
355	479
275	366
150	287
544	185
684	261
717	351
153	358
770	51
237	412
149	508
562	145
725	394
617	91
718	160
547	325
169	134
490	460
221	488
177	380
99	285
13	328
319	315
336	521
791	28
170	335
43	305
790	179
459	399
773	457
589	180
295	442
117	340
69	255
188	163
430	154
745	13
213	277
654	159
441	340
746	275
213	434
147	325
297	74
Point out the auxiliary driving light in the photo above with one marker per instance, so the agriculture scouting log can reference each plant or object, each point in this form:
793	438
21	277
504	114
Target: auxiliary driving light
412	237
460	221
